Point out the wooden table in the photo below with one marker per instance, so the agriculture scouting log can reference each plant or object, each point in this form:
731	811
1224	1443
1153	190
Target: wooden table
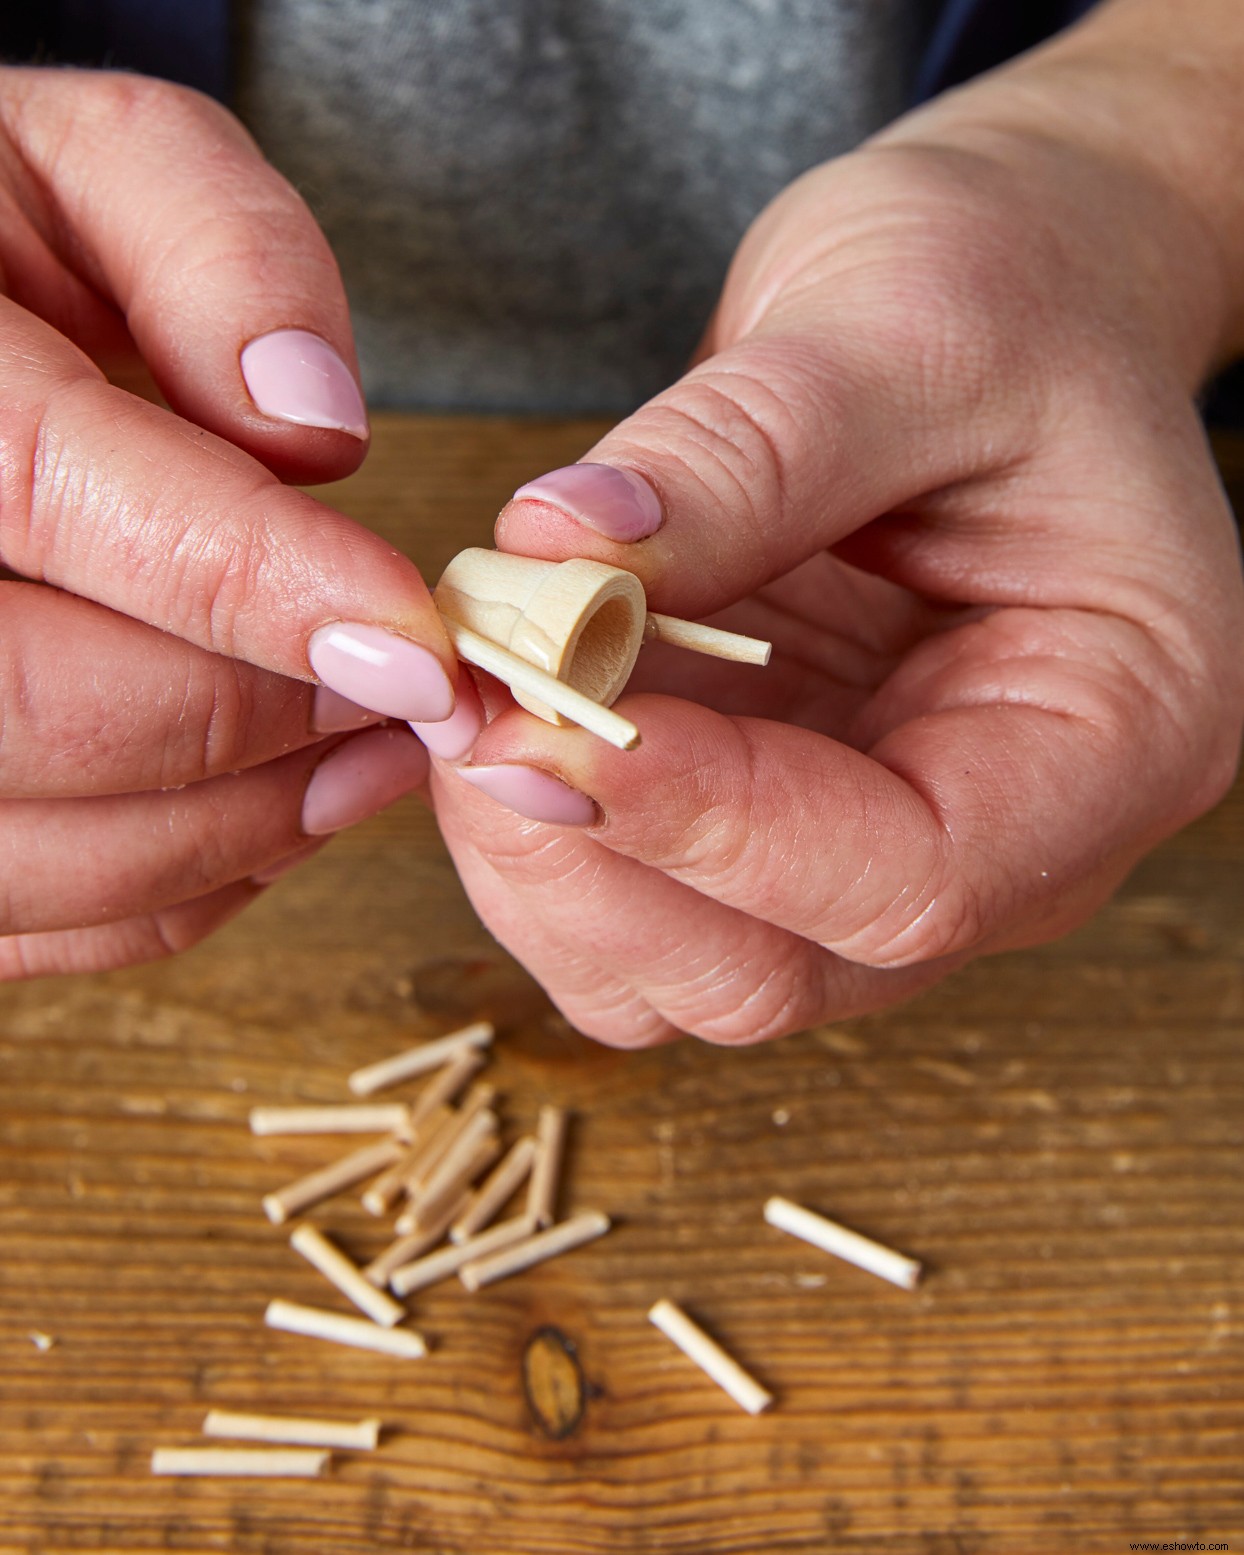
1058	1134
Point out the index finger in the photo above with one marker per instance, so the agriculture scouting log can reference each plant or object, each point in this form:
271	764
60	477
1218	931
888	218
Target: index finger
118	501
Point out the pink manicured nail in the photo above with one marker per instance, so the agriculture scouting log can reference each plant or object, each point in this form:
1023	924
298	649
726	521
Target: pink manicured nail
615	503
333	714
284	865
454	736
381	670
295	376
361	777
537	795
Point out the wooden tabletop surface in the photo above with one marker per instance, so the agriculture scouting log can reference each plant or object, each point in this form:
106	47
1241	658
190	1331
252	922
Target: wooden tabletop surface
1058	1134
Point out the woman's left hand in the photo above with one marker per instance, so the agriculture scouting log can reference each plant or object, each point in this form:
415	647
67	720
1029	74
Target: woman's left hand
941	448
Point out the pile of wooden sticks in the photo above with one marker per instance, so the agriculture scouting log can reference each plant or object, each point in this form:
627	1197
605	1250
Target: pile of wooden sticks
441	1169
428	1170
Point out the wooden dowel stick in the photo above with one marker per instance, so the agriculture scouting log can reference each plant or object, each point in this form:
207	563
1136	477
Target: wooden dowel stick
495	1191
418	1060
250	1462
546	1168
830	1237
317	1186
710	1357
295	1429
450	1185
448	1260
546	1244
431	1142
564	699
345	1275
411	1246
316	1323
478	1099
449	1169
707	639
384	1193
453	1078
379	1118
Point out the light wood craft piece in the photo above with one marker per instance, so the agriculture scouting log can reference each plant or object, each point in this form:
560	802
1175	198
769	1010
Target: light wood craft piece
696	1345
828	1235
295	1430
240	1462
330	1180
316	1323
418	1060
579	623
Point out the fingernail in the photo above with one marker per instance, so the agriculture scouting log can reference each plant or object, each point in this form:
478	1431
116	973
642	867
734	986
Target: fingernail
295	376
615	503
529	791
361	777
454	736
332	713
380	670
284	865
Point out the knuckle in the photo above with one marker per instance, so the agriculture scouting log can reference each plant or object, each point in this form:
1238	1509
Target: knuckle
937	916
620	1017
733	435
761	996
131	105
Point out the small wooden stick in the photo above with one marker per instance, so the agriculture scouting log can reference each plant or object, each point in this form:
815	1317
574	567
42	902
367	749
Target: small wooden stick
710	1357
381	1118
411	1246
546	1169
299	1429
390	1185
316	1323
564	699
448	1191
453	1078
496	1190
706	639
429	1144
251	1462
317	1186
546	1244
448	1260
849	1245
418	1060
478	1099
345	1275
449	1169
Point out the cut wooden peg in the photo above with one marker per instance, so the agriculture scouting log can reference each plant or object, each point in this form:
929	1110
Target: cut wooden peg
517	673
711	640
330	1180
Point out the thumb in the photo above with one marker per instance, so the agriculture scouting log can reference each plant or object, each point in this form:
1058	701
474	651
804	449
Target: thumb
226	283
842	377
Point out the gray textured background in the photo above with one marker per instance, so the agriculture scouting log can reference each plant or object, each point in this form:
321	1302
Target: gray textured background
534	202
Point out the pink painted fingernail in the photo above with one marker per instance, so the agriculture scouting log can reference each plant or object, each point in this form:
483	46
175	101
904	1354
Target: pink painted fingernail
293	375
454	736
529	791
332	713
615	503
284	865
361	777
380	670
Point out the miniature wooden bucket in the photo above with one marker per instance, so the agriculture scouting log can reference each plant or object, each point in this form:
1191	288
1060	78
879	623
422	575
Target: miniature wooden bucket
581	621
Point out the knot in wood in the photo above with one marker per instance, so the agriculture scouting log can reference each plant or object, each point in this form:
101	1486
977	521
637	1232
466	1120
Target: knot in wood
553	1382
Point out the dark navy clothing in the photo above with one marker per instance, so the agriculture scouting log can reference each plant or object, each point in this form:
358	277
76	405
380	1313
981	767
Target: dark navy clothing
190	40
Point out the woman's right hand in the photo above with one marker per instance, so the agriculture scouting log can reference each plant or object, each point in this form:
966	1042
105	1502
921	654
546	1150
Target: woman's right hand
172	604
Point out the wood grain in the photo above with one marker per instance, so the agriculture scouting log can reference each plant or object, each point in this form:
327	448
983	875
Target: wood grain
1057	1135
